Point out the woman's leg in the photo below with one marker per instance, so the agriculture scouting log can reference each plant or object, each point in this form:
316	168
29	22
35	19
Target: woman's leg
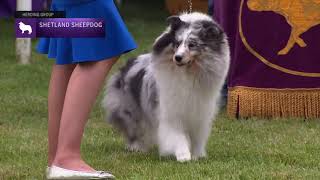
83	88
57	89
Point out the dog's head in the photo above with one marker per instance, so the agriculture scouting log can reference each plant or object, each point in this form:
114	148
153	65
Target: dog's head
190	37
21	23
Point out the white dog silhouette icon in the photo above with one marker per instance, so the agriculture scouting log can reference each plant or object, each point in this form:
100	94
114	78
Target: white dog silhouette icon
24	27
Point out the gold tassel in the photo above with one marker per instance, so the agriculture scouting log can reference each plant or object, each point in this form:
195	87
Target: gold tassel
246	102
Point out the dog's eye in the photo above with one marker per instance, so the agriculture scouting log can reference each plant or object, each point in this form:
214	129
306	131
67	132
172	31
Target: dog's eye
177	43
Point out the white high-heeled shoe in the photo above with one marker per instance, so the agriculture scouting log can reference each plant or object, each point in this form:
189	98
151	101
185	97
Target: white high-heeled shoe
55	172
48	171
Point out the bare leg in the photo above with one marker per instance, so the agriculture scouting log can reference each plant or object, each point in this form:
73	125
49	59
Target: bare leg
83	88
57	89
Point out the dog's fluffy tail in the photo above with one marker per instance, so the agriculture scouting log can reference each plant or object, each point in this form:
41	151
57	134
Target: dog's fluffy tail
130	101
123	102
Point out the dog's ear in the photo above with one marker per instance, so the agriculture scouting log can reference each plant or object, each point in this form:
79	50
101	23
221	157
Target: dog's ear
163	42
175	22
210	31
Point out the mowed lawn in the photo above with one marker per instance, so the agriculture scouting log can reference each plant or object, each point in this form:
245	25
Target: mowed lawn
237	149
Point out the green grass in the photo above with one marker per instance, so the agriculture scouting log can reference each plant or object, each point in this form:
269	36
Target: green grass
237	149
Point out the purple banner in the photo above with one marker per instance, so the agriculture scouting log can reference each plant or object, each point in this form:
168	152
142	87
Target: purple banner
60	27
268	49
275	69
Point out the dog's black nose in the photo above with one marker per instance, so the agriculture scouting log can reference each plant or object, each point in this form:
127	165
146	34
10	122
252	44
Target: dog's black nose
178	58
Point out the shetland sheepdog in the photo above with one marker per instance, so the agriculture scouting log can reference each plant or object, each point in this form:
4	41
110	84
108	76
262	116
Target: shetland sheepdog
170	96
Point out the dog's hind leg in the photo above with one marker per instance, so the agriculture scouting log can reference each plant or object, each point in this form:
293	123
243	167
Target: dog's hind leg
137	146
173	141
125	122
141	144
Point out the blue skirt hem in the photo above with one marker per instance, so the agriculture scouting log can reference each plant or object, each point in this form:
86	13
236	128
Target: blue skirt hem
82	60
75	50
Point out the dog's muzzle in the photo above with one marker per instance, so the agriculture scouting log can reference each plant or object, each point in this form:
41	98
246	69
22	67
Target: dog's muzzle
178	59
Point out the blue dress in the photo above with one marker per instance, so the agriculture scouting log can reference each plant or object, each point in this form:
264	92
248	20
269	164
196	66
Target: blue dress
75	50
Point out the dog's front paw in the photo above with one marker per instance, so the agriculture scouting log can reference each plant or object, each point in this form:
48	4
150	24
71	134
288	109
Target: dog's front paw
183	156
198	156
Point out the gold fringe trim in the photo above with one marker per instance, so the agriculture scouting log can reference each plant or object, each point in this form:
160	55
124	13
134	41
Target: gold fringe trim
246	102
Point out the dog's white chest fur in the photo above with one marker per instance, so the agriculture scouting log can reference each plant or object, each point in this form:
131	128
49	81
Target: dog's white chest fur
185	113
182	92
